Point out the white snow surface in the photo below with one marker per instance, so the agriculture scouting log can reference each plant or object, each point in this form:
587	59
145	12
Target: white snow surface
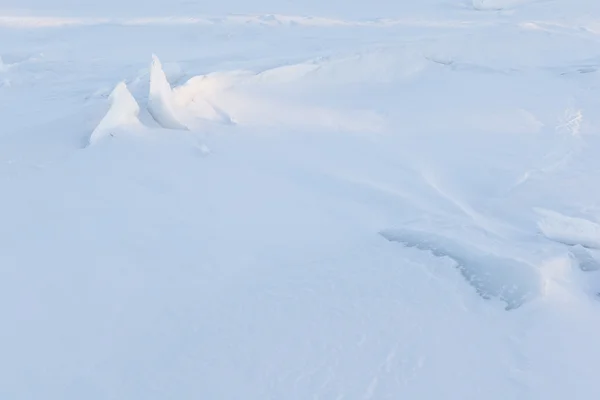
160	98
299	200
122	114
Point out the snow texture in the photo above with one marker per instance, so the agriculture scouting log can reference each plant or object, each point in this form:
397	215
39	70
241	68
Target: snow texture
509	280
122	114
496	5
3	67
569	230
589	260
314	199
160	100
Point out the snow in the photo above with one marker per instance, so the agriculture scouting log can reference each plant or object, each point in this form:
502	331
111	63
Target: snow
569	230
160	99
496	5
122	114
509	280
299	200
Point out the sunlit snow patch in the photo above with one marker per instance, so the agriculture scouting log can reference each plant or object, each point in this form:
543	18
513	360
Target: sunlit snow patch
123	112
197	96
564	282
263	100
509	280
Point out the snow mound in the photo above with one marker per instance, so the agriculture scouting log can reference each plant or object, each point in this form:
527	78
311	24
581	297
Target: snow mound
160	101
198	95
376	66
261	99
559	282
569	230
266	99
506	279
123	112
252	109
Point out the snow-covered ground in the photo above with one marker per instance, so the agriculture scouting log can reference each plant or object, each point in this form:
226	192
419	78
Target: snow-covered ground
299	200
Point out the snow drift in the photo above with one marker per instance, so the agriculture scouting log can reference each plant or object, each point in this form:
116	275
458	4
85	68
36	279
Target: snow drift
150	267
122	113
569	230
160	100
509	280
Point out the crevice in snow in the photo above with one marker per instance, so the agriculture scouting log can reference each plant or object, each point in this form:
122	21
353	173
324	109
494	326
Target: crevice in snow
160	100
123	112
506	279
